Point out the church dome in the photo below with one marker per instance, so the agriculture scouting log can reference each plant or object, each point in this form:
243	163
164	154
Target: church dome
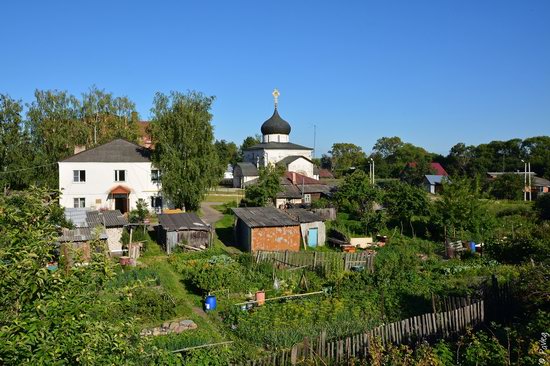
275	125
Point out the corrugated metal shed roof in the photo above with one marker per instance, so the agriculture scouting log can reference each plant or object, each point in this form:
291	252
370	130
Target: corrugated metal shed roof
80	234
315	188
302	215
264	217
289	191
182	221
110	218
116	151
77	216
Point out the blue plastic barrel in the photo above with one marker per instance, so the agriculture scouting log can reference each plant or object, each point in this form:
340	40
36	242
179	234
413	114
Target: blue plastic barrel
472	247
210	303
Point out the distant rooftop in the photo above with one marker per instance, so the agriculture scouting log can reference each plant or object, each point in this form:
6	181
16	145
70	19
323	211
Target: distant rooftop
263	217
116	151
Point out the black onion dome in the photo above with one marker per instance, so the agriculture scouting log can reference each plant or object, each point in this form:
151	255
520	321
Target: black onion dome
275	125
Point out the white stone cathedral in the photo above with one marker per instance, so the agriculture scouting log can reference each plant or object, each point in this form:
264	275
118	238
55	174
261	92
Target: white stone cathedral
276	149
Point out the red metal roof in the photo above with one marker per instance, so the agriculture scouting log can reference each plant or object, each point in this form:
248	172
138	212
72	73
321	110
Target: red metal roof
436	167
297	178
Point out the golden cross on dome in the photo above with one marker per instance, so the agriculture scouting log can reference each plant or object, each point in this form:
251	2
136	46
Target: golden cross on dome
276	96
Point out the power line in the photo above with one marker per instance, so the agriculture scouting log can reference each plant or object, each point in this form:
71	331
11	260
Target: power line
20	170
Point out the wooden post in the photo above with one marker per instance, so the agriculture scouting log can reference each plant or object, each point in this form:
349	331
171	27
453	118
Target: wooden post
314	260
294	355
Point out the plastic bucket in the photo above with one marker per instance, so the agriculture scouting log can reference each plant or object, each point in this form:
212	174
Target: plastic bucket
260	297
210	303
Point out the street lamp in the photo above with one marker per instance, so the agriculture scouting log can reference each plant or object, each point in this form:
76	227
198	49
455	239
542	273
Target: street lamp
524	180
372	170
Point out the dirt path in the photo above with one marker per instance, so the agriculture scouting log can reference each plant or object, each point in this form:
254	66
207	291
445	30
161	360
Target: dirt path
209	214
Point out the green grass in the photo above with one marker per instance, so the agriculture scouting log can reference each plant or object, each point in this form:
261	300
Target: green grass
184	300
223	198
498	206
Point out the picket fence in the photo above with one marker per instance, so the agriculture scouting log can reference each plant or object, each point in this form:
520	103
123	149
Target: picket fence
423	327
328	261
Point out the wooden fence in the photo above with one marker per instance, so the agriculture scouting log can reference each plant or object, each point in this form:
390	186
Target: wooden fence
328	261
424	327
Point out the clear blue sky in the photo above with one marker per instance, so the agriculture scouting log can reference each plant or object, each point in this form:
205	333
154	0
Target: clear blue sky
432	72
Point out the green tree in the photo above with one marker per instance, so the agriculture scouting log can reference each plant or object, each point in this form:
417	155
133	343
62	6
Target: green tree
228	153
346	156
507	187
16	153
460	211
357	195
248	142
406	203
107	117
59	317
414	172
55	127
265	191
184	146
542	205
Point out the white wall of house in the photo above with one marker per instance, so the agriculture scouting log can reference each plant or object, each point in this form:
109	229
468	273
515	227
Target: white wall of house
272	156
100	180
240	181
302	166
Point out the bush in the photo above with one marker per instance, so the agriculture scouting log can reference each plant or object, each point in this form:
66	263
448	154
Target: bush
542	205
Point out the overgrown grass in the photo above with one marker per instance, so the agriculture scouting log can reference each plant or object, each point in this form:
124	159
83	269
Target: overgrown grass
185	302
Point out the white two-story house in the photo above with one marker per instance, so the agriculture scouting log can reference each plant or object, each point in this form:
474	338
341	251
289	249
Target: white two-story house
110	176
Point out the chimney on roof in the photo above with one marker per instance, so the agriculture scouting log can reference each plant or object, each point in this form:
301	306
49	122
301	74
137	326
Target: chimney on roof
79	148
293	177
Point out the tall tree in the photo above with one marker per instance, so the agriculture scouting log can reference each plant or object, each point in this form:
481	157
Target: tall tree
345	156
249	141
406	203
184	146
460	211
413	173
264	192
16	154
107	117
55	127
228	153
507	186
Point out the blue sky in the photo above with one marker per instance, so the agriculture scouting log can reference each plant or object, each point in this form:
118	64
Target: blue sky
432	72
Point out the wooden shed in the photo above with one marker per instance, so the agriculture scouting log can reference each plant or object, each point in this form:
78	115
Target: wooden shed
187	228
312	227
75	243
266	228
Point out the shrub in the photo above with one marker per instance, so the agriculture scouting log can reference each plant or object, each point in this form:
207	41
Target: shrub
542	205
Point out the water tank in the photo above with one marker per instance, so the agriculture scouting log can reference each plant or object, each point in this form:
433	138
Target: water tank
210	303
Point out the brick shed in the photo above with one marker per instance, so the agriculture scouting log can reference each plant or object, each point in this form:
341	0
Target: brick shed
266	228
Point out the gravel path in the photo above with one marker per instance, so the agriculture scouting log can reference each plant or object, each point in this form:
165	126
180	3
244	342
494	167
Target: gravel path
209	214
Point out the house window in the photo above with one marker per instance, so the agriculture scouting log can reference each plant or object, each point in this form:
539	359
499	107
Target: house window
120	175
155	176
156	203
307	198
79	202
79	176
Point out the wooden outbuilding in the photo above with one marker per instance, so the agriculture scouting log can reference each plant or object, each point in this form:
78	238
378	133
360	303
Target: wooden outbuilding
183	228
312	227
266	228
